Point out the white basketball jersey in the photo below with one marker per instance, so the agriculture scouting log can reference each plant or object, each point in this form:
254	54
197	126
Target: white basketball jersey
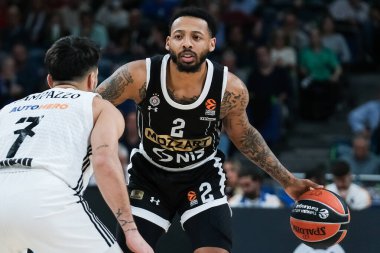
49	130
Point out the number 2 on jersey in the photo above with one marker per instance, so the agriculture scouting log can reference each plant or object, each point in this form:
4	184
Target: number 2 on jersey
23	133
176	129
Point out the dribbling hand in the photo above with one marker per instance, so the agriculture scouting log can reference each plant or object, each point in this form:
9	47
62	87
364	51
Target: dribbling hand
300	186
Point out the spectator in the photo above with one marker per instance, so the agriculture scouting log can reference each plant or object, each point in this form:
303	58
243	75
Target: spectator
365	119
112	15
214	9
36	21
355	196
229	60
317	175
237	42
293	32
321	71
54	29
282	54
253	195
232	168
350	10
335	41
269	89
155	43
140	28
14	31
90	29
70	13
360	159
28	72
10	90
353	16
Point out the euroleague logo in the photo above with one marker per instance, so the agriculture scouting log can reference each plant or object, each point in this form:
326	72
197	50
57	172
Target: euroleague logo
192	197
323	214
210	107
210	104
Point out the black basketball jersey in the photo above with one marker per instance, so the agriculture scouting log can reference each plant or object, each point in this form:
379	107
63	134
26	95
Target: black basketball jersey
174	136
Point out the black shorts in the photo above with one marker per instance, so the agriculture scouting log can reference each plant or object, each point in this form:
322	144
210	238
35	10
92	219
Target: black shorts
197	196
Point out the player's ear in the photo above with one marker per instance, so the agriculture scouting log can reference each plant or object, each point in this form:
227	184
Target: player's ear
212	44
92	80
49	80
167	43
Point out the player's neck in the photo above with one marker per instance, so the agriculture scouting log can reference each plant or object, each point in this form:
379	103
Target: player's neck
178	79
66	85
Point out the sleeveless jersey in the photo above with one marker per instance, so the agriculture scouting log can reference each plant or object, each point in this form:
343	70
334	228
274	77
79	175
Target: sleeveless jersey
49	130
174	136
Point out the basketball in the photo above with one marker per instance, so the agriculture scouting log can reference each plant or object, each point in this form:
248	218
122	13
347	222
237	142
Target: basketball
320	218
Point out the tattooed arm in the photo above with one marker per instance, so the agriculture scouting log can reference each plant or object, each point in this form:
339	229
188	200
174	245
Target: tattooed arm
108	127
250	142
127	82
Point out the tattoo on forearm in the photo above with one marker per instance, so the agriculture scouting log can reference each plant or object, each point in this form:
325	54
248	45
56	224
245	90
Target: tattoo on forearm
102	146
254	147
248	139
112	88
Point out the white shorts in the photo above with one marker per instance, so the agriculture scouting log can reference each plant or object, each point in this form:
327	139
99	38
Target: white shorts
39	211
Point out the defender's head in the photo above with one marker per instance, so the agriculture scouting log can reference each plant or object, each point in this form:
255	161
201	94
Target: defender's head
192	38
73	60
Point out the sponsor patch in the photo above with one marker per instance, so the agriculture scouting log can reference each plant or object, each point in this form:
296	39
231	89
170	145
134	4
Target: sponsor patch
137	194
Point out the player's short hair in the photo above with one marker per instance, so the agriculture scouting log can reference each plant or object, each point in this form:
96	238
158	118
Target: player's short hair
70	58
340	168
195	12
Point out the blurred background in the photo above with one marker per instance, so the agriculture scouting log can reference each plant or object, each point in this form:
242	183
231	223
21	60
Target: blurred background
311	68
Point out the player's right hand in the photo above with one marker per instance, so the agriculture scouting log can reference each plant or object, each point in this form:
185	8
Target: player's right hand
136	243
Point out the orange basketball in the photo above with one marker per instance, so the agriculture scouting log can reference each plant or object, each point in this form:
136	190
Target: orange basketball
320	218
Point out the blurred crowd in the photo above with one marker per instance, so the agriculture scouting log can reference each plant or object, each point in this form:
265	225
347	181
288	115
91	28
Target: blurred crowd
293	55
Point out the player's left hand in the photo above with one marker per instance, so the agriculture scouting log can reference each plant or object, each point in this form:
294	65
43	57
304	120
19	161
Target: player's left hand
300	186
136	242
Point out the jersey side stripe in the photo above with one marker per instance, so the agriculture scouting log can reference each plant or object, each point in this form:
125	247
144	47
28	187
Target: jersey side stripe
97	221
98	227
85	164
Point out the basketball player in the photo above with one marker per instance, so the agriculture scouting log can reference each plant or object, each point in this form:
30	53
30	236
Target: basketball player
183	98
46	142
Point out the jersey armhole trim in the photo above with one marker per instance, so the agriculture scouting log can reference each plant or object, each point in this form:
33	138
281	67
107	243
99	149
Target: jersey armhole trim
147	64
224	85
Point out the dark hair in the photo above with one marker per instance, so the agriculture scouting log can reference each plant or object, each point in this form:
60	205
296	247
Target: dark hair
70	58
197	13
340	168
317	174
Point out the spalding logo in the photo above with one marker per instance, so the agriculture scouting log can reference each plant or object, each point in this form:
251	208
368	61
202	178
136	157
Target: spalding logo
323	214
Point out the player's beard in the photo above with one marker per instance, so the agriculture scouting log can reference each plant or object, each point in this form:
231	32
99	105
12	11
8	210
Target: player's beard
188	68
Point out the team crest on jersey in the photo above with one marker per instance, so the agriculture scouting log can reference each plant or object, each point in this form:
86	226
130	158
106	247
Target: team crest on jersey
192	197
154	100
210	107
137	194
